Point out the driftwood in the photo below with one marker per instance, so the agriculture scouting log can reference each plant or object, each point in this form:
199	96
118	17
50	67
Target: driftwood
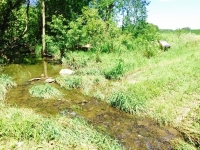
48	80
34	79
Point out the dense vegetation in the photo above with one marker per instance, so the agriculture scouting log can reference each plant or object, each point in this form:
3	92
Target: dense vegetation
123	66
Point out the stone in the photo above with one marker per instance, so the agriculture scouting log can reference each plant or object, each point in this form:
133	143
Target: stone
49	80
64	72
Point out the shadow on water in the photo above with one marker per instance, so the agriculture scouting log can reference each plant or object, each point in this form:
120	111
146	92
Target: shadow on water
134	132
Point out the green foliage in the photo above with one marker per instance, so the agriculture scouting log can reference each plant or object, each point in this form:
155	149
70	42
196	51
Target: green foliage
89	28
19	32
57	42
73	61
115	72
149	49
35	131
5	83
69	82
45	91
125	101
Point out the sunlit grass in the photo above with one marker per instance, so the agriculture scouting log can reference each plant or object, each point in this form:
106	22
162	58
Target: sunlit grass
165	86
45	91
22	128
5	83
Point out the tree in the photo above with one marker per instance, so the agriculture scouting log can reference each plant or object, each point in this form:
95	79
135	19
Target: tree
14	26
132	12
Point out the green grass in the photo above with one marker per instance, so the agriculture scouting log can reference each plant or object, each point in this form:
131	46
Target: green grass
162	85
165	86
45	91
23	129
5	83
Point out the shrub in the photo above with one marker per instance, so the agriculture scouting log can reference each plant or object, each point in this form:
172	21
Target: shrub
74	61
115	72
45	91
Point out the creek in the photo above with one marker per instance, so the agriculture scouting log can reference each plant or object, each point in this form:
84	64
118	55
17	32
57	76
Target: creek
132	131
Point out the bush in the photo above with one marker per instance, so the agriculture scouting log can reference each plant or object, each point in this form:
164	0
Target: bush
115	72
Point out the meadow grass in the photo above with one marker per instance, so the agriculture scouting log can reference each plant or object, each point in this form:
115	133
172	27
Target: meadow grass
23	129
45	91
165	86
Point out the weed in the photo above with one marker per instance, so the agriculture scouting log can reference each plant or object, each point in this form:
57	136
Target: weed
45	91
181	145
126	102
5	83
115	72
69	82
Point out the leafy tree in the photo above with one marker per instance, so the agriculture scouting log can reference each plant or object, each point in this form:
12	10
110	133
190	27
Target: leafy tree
18	29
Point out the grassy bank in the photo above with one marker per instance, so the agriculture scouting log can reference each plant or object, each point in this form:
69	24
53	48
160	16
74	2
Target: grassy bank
23	129
143	81
165	86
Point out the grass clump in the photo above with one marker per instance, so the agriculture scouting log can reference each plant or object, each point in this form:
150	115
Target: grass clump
127	101
45	91
115	72
181	145
190	127
5	83
70	82
89	85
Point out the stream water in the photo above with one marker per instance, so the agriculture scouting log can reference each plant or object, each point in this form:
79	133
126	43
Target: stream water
134	132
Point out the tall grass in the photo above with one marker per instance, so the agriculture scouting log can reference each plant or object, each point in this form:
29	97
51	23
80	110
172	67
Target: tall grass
5	83
22	129
164	85
45	91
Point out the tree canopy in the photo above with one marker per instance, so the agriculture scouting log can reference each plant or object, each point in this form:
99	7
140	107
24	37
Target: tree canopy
69	24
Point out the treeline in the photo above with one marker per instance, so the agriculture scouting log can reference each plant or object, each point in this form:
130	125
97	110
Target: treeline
106	25
183	30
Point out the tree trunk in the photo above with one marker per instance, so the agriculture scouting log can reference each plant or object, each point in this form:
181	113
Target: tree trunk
43	28
43	39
